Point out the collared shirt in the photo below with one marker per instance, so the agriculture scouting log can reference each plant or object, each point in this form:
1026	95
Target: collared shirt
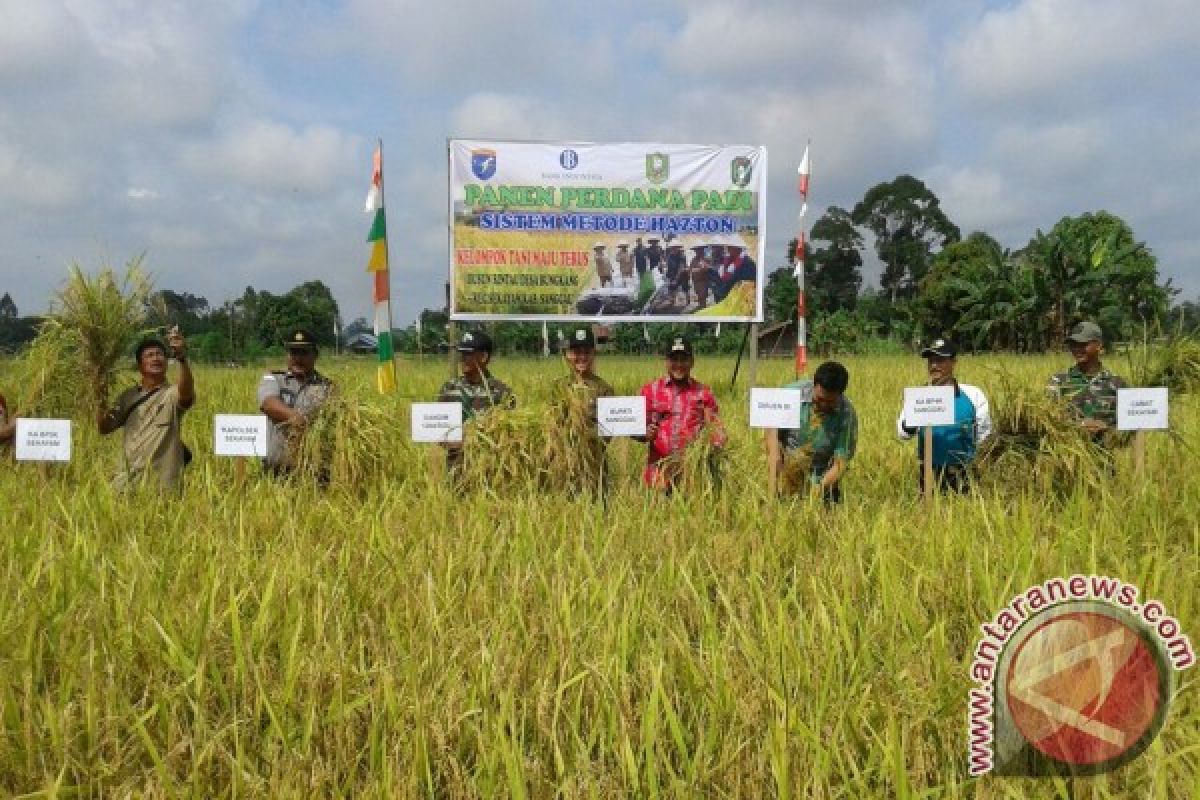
303	395
681	411
826	435
152	448
1088	396
477	398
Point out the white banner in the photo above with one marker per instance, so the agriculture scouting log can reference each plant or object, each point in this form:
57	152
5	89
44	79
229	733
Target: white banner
621	416
437	422
777	408
1142	409
635	232
240	435
928	406
43	439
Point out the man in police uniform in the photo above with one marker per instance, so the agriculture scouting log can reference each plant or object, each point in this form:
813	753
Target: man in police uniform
574	398
476	388
1089	389
954	445
291	399
151	415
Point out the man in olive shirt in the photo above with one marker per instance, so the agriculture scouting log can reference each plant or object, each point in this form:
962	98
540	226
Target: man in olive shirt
291	399
827	435
151	415
1088	388
574	399
476	388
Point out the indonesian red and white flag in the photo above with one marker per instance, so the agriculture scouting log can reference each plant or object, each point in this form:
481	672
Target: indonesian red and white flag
375	193
798	261
805	169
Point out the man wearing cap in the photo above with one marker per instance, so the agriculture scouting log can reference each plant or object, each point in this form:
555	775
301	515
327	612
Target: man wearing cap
291	399
476	388
1089	389
953	445
151	415
825	440
678	409
575	397
625	263
654	253
603	264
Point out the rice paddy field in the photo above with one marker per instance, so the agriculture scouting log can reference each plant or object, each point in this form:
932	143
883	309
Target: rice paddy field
389	637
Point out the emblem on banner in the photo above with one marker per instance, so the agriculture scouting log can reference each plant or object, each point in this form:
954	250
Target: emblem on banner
483	164
568	159
740	171
658	167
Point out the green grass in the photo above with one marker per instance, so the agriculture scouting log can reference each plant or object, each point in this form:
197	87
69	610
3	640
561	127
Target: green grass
254	640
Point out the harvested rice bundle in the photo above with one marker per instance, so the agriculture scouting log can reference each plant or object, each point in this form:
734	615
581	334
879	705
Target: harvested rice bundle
1037	444
794	477
505	449
48	374
344	444
106	314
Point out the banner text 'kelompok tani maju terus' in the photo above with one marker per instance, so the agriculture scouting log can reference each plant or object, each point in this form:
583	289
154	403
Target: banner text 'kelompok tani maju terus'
625	232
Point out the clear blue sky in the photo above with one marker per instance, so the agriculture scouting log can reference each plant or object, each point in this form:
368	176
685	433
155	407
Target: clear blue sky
230	140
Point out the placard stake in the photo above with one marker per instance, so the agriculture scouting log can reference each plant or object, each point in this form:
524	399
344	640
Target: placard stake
1139	452
927	462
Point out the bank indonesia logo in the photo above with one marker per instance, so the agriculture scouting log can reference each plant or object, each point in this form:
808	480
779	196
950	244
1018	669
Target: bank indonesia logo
483	164
740	171
569	159
658	167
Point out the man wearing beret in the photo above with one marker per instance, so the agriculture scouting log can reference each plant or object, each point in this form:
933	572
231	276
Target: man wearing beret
291	399
476	388
151	415
574	399
953	445
678	410
1089	389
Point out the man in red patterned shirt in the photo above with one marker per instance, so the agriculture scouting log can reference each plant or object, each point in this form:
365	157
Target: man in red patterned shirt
678	409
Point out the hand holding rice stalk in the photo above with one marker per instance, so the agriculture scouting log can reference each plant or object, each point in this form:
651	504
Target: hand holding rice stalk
105	314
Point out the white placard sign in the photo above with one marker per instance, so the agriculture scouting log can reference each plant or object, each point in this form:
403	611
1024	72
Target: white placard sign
928	405
1142	409
777	408
437	422
43	439
621	416
243	435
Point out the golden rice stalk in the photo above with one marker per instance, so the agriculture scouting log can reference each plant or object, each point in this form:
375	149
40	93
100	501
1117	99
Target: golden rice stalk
1174	364
794	477
345	444
49	380
106	313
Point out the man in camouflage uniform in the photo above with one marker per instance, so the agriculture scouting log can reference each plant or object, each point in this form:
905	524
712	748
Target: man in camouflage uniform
151	415
575	413
291	399
1089	389
476	389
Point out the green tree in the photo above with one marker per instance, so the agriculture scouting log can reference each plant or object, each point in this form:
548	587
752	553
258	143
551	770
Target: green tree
8	309
1092	267
907	220
836	268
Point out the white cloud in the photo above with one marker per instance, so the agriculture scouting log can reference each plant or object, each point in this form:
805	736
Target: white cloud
1039	50
270	156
